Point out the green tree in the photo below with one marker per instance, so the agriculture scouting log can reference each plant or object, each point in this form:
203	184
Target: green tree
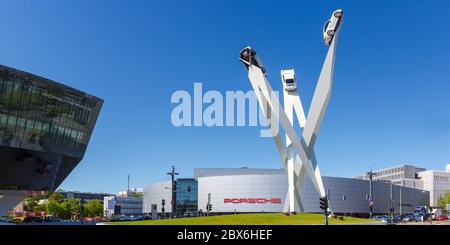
55	208
444	199
93	208
71	207
137	194
41	207
56	197
30	204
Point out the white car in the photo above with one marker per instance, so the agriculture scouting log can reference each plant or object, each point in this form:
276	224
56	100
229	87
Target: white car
288	78
331	26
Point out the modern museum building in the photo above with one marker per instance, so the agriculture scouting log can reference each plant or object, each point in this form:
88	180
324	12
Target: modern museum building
45	128
247	190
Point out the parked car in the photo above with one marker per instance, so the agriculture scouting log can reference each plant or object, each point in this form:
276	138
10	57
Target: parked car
397	218
125	218
408	218
138	217
386	218
377	217
419	217
32	219
51	218
442	217
331	26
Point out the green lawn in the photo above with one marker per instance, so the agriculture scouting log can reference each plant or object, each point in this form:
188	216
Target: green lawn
249	219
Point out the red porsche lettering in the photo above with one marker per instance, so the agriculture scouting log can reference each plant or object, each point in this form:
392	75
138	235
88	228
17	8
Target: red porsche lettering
273	200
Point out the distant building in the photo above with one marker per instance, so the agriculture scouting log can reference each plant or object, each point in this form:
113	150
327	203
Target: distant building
437	182
404	175
85	196
131	192
126	203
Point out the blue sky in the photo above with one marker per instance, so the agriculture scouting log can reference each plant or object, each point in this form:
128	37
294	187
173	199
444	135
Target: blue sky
390	101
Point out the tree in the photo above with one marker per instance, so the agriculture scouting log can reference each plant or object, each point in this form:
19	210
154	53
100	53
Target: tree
55	208
61	207
137	194
54	205
71	207
57	197
30	203
444	199
41	207
93	208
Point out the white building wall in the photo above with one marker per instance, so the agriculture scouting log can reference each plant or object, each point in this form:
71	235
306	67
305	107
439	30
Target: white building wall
275	186
128	205
242	186
437	183
153	194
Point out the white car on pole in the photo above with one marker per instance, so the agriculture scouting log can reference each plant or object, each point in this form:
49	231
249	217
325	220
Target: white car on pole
288	78
331	26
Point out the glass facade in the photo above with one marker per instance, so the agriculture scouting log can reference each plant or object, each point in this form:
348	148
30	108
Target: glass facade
41	115
187	200
45	128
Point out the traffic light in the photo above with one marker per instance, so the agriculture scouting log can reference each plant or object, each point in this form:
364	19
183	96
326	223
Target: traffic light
324	203
189	188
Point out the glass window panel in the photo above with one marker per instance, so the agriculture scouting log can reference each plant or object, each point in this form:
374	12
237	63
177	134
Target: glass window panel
3	119
30	124
12	120
21	122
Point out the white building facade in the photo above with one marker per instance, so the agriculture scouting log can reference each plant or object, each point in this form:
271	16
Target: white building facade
404	175
436	182
245	190
124	204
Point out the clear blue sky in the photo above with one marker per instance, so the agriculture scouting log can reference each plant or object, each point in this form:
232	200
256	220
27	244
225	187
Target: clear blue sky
390	102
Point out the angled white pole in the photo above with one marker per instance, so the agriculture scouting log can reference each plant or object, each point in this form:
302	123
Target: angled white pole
318	108
292	103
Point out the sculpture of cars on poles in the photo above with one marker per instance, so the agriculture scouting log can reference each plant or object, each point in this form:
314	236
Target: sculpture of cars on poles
303	161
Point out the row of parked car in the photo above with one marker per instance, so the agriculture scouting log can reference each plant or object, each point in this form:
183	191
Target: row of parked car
407	218
131	218
49	219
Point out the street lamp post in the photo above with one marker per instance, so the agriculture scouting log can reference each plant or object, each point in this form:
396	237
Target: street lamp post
391	208
401	208
174	187
370	174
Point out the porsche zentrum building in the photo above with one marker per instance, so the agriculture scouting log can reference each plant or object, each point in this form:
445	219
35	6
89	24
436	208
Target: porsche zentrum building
246	190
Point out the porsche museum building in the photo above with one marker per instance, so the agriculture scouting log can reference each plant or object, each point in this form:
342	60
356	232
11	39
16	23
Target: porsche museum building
45	128
246	190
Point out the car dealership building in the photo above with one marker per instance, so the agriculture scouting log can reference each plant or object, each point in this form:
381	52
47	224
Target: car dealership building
247	190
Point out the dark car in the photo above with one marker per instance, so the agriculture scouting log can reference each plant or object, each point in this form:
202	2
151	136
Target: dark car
32	219
397	218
